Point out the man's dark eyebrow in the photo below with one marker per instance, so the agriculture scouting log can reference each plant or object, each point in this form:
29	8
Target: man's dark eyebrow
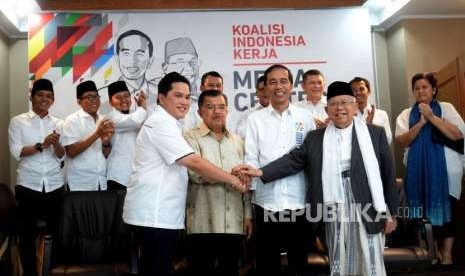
124	49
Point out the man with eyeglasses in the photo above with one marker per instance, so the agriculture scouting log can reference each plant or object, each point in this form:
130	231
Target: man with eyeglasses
272	132
217	216
87	141
349	170
127	126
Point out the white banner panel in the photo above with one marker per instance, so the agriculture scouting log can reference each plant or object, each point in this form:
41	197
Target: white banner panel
240	45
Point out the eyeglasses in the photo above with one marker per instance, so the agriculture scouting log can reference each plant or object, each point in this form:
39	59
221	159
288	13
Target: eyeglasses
220	107
91	98
341	103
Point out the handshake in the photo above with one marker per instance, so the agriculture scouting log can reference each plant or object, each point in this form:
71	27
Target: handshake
242	177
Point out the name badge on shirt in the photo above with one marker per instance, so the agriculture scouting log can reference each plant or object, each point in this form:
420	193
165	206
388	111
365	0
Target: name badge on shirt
299	133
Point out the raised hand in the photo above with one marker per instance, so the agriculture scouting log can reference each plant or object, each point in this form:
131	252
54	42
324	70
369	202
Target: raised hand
371	114
426	111
141	100
319	123
51	139
105	130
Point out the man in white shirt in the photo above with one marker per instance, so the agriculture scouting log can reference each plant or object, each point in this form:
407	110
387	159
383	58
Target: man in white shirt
263	101
127	126
34	139
87	142
272	132
156	194
367	112
210	81
313	85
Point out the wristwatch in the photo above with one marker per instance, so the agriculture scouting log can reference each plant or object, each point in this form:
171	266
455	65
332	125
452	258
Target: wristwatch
38	147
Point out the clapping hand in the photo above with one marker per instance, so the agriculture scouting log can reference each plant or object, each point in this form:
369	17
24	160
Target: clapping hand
51	139
371	115
105	130
141	100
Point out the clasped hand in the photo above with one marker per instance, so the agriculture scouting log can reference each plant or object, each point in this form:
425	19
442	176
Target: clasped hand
245	173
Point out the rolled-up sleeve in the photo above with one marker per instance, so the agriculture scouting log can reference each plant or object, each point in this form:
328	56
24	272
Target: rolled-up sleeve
14	138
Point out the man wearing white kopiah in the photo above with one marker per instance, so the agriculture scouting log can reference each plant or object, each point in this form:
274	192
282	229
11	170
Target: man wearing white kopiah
272	132
350	170
156	194
127	126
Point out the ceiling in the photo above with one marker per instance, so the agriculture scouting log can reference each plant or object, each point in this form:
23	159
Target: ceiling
413	9
62	5
426	9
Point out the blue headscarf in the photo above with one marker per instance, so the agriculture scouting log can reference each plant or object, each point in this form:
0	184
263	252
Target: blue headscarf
427	186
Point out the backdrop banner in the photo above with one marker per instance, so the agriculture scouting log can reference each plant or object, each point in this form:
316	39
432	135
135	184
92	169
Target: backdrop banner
140	48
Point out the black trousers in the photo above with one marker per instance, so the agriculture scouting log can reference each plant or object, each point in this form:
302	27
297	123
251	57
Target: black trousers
274	237
34	206
214	254
113	185
157	247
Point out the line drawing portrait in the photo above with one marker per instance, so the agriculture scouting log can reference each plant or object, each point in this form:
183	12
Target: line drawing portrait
134	55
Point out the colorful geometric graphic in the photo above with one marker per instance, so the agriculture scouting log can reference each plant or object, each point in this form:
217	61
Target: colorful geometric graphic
69	42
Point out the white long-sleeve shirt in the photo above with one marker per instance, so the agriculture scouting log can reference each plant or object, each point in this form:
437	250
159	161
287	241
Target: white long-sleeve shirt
39	171
270	135
119	162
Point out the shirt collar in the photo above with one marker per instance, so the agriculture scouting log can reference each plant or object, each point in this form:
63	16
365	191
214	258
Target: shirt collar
366	109
289	111
33	115
204	130
84	114
170	117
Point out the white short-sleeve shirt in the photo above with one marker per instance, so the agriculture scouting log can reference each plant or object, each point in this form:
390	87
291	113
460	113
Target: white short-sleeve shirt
87	170
270	135
157	188
39	171
454	160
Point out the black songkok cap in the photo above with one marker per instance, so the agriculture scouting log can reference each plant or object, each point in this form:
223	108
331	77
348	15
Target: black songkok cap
339	88
84	87
115	87
41	84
